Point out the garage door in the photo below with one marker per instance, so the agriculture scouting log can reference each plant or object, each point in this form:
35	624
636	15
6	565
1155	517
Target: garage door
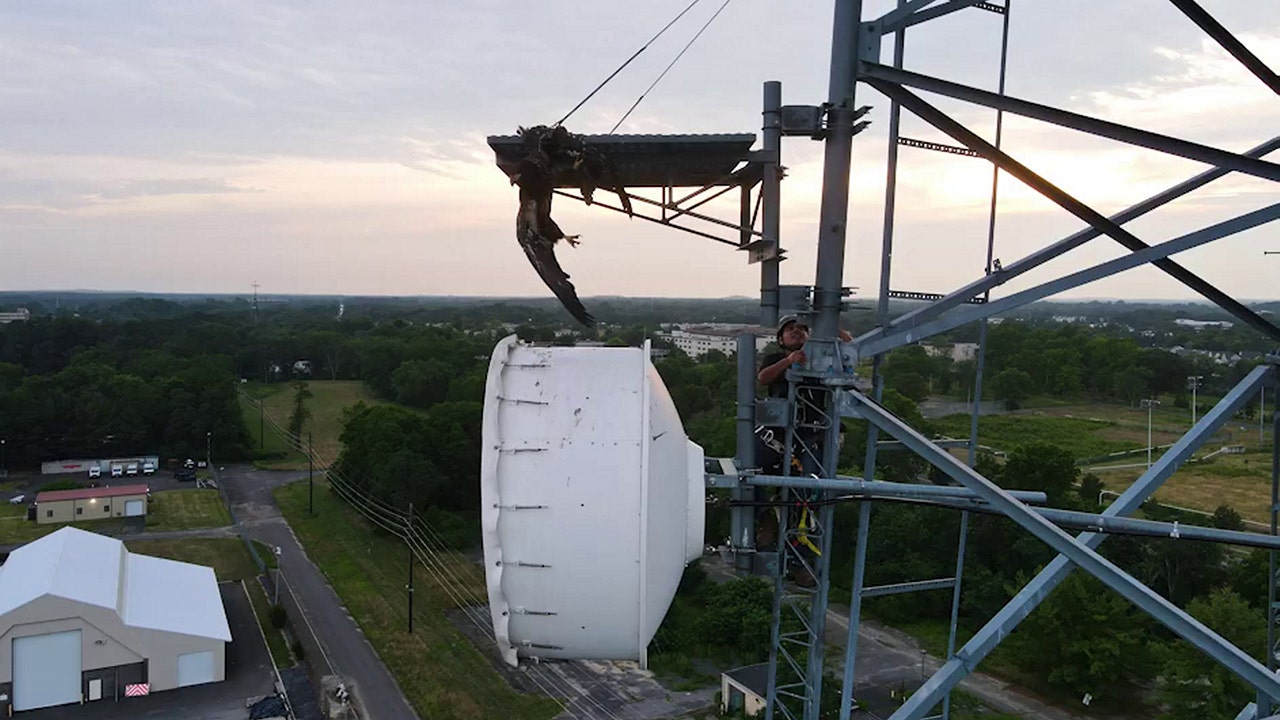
46	670
132	508
195	668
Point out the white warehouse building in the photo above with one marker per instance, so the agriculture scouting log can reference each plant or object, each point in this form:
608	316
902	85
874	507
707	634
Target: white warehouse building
83	619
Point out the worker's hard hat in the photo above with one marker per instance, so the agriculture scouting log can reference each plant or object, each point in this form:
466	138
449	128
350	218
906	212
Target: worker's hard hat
786	320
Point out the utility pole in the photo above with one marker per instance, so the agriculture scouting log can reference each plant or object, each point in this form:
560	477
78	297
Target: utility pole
4	469
311	477
410	548
1193	382
262	424
1149	403
208	449
255	302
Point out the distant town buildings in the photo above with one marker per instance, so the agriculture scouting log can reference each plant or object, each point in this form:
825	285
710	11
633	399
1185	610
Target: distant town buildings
19	315
698	340
1202	324
1220	357
958	352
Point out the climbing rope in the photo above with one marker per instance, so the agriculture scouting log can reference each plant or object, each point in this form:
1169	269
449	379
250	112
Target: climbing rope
628	62
671	64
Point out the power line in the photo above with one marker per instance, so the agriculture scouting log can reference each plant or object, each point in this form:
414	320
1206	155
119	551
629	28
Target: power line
670	65
627	62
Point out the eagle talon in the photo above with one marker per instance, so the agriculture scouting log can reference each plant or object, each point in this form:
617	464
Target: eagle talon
573	240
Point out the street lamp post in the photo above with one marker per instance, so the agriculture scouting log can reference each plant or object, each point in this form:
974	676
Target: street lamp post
1149	403
208	449
4	469
279	552
1193	381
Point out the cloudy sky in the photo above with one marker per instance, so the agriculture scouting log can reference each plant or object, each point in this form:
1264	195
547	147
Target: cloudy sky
339	148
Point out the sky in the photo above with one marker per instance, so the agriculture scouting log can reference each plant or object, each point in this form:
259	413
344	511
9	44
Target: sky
331	147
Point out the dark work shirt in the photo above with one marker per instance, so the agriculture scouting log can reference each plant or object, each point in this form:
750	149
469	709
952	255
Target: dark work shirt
778	388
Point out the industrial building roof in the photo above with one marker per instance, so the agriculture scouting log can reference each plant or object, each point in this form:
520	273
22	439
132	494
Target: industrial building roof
87	493
146	592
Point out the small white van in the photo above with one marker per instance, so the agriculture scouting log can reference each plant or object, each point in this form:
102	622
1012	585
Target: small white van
95	471
117	470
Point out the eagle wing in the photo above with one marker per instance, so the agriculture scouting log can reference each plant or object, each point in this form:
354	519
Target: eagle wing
538	241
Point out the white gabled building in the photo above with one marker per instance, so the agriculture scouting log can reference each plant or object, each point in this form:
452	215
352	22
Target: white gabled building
83	619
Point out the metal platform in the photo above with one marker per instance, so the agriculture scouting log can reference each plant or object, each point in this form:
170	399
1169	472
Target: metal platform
654	160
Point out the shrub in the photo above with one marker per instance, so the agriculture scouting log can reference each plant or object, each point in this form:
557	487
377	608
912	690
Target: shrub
277	616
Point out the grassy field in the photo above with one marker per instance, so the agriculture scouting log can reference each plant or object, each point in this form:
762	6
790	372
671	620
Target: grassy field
1240	481
228	557
275	638
1082	437
186	509
441	672
169	510
1095	429
329	399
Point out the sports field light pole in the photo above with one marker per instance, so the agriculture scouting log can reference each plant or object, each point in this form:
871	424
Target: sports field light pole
1149	403
1194	382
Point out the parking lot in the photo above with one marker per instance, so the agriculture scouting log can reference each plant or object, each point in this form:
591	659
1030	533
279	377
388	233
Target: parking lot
249	676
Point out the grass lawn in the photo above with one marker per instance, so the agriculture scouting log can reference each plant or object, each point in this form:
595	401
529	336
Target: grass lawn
329	399
228	557
441	672
275	638
186	509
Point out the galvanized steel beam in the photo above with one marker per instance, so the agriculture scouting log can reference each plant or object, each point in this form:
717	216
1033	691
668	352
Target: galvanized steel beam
1012	270
908	587
969	313
1033	593
1182	624
883	489
1229	43
940	120
1084	123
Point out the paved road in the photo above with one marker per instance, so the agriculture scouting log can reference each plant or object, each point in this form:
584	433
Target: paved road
342	644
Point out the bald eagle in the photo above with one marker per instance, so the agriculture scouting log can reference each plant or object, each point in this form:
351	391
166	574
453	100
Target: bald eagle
538	234
549	151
